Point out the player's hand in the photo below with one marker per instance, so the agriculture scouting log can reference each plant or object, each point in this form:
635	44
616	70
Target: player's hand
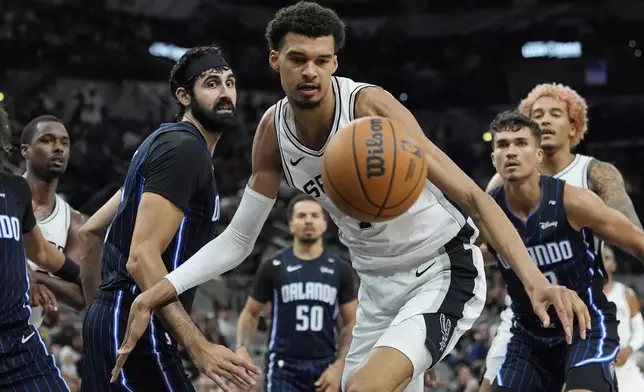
40	295
219	363
623	355
330	380
431	380
242	352
137	323
567	304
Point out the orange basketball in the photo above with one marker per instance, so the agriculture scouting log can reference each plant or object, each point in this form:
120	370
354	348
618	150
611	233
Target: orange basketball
373	169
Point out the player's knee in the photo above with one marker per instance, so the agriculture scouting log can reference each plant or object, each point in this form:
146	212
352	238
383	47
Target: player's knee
363	382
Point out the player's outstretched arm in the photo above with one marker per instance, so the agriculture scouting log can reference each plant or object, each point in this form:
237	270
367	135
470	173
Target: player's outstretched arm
586	209
489	217
98	223
218	256
607	182
47	257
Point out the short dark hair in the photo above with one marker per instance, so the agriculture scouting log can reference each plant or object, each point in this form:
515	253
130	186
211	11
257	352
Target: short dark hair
31	128
513	121
5	134
182	65
291	205
305	18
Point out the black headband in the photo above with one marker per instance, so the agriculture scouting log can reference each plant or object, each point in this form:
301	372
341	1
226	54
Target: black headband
211	60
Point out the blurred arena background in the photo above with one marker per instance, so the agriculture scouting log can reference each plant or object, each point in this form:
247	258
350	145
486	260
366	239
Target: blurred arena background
102	67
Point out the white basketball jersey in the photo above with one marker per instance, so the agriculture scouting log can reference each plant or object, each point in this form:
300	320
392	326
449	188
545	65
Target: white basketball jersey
404	242
576	173
54	228
617	295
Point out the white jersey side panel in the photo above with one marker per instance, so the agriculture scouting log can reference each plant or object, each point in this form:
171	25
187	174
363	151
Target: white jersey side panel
406	241
576	173
54	228
617	295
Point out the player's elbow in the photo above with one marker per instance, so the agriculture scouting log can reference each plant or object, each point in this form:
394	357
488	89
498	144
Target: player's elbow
138	262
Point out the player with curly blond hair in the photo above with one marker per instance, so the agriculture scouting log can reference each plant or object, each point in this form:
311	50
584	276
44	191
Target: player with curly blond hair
562	115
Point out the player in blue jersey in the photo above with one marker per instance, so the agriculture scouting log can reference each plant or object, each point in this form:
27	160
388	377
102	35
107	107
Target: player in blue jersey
309	288
169	208
25	364
556	222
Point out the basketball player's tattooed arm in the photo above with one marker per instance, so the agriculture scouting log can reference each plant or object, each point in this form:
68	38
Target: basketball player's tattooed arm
490	219
607	182
586	210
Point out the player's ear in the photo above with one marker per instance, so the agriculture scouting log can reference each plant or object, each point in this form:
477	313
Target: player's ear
183	96
273	58
24	150
492	157
539	155
335	64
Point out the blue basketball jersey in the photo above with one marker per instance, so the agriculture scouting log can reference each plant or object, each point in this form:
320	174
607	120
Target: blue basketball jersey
565	256
174	162
306	297
16	218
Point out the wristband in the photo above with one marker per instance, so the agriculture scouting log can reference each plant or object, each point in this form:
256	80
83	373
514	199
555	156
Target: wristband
69	271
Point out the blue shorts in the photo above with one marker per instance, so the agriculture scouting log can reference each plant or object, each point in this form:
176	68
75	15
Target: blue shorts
285	374
539	359
25	364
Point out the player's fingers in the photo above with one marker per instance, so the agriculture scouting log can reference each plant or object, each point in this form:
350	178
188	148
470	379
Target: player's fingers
323	386
50	300
120	361
540	309
239	373
562	312
580	312
245	363
217	380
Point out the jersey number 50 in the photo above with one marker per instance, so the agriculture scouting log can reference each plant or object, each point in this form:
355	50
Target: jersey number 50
309	318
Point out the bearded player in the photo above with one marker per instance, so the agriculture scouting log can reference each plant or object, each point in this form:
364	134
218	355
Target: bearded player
404	325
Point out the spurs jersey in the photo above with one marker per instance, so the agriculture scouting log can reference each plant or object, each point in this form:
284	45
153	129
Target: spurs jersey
423	230
54	228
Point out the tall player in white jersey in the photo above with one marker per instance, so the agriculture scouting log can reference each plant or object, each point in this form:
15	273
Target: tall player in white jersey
630	329
562	115
45	147
422	279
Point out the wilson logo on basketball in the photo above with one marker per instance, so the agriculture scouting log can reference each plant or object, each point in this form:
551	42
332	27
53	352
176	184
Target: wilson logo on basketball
375	161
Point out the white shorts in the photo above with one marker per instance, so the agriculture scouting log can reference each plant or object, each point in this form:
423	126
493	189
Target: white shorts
629	377
421	316
499	346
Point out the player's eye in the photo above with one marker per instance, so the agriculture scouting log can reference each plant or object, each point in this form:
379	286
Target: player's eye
230	83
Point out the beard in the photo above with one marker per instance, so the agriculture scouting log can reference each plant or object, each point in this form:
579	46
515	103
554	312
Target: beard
307	105
210	119
308	239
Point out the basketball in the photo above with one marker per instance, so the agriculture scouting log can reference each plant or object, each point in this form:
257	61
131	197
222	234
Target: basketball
373	169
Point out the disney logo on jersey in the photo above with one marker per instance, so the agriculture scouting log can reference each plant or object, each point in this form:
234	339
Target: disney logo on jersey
10	228
545	225
309	291
546	254
375	161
